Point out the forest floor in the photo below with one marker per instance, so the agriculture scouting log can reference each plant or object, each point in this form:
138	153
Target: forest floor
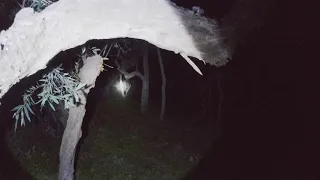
120	145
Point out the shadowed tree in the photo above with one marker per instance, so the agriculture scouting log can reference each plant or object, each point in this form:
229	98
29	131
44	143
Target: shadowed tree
35	38
129	53
129	63
145	80
163	86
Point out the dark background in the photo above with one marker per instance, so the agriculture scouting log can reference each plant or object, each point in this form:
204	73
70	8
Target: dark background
269	128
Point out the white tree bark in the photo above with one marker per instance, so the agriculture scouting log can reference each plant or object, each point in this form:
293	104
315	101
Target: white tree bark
35	38
88	75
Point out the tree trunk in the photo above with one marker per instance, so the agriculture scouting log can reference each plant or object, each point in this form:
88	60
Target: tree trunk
70	139
163	86
144	102
145	80
88	74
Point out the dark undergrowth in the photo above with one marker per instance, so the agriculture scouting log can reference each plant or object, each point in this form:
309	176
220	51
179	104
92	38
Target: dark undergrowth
120	144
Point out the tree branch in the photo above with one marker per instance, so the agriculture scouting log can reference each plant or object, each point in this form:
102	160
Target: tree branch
35	38
23	4
128	75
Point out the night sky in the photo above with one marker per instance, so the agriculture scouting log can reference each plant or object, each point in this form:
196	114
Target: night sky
263	132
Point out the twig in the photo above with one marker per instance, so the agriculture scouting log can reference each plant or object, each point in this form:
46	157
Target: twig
128	75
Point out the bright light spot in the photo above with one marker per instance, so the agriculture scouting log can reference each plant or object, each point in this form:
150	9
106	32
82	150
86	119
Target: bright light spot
122	87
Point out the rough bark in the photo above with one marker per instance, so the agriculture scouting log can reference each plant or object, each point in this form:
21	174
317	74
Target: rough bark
35	38
163	86
145	80
88	74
